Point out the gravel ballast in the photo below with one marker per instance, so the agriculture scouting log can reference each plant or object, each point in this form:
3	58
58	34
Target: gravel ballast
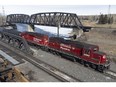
72	68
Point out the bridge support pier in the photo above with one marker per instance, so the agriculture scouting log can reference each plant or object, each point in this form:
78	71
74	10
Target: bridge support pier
76	33
58	28
31	28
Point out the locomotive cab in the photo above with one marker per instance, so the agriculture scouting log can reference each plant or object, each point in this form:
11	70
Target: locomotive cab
103	61
96	59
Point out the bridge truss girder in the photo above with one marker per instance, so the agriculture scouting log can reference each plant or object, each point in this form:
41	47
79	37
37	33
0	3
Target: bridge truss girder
67	20
17	18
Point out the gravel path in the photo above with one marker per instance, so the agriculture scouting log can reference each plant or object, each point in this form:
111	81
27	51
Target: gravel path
71	68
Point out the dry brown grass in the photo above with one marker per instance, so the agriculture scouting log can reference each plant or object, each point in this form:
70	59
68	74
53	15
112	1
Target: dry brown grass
94	24
105	25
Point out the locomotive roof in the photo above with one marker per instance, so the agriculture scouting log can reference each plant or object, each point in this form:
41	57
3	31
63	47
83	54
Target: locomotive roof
89	46
36	34
56	39
82	44
76	43
99	52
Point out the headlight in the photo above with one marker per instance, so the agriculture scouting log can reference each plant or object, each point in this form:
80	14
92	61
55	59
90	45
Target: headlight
104	56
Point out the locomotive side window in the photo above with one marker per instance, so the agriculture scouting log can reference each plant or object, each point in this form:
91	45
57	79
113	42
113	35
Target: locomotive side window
95	49
87	53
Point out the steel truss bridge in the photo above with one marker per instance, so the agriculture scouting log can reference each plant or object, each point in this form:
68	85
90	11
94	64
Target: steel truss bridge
17	18
55	19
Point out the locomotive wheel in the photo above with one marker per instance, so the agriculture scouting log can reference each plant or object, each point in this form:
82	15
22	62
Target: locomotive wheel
74	60
7	39
11	41
49	51
54	53
86	64
16	43
1	36
43	48
93	66
100	69
46	49
81	62
58	54
22	46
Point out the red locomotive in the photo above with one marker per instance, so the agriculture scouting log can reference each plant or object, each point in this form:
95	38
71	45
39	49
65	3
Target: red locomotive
87	54
36	38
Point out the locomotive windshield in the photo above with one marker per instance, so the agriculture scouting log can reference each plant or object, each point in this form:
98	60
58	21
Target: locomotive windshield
87	52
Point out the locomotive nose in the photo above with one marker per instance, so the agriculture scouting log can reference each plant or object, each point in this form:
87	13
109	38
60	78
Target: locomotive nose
107	64
107	58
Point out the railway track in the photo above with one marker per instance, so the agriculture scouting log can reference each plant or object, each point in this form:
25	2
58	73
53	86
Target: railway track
40	64
111	74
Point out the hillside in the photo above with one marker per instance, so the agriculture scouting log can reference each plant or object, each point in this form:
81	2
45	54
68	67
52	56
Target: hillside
92	20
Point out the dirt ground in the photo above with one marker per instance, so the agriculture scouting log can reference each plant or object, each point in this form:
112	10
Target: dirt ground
105	39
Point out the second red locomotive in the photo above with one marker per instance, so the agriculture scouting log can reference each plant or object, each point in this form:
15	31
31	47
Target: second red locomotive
84	53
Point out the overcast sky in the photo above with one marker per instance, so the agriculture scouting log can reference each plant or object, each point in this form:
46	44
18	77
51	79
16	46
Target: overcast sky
78	9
